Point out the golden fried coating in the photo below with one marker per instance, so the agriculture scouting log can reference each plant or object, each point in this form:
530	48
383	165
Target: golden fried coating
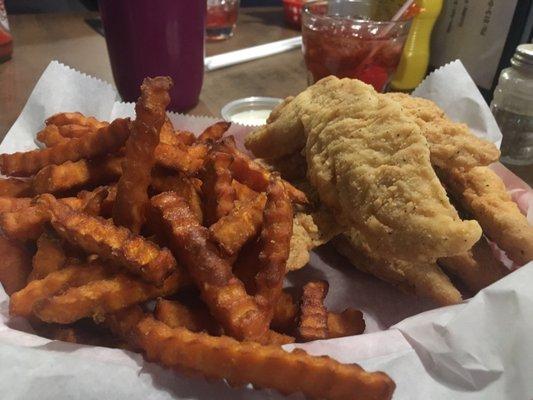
221	291
477	268
370	164
451	145
243	223
482	193
106	140
10	204
242	192
15	265
313	320
180	157
50	256
98	236
50	136
21	303
217	192
175	315
73	175
263	366
100	297
13	187
75	118
350	322
214	132
425	280
132	189
275	338
274	246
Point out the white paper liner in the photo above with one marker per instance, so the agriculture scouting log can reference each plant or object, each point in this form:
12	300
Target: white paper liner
481	349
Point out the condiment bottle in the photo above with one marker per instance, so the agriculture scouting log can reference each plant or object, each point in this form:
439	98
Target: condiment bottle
512	107
415	57
6	40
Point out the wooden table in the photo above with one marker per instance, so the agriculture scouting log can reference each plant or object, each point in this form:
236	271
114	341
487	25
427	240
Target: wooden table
41	38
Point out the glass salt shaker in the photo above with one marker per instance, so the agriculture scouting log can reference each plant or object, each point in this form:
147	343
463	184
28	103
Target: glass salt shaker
512	107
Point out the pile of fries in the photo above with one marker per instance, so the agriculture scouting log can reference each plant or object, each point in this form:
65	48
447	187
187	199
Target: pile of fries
134	235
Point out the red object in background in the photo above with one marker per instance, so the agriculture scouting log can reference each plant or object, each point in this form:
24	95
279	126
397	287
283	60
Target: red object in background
6	40
221	16
293	12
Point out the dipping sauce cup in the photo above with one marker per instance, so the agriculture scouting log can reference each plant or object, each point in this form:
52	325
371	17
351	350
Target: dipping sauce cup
340	38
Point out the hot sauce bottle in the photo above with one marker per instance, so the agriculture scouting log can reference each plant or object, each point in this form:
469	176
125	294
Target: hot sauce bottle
6	40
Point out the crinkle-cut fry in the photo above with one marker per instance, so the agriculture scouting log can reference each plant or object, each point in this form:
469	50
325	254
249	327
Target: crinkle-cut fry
21	303
214	132
182	185
72	175
182	158
263	366
100	201
477	268
100	297
243	223
350	322
272	337
10	204
224	294
313	321
75	118
105	140
71	131
98	236
217	192
50	256
285	313
132	189
175	314
250	173
13	187
15	265
242	192
482	193
274	246
170	136
50	136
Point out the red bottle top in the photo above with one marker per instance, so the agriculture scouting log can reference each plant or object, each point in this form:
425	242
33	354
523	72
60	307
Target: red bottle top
6	40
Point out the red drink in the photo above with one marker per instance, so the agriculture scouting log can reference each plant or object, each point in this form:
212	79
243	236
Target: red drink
6	40
350	47
221	18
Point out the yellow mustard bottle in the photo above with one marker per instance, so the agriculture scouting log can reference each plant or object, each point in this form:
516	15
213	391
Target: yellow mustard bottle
415	57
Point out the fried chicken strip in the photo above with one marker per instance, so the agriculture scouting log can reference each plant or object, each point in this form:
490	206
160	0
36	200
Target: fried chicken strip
132	190
313	321
482	193
13	187
221	291
106	140
50	257
15	265
263	366
96	235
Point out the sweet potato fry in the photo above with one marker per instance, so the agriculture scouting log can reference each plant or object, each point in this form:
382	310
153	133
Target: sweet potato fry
10	204
218	193
99	236
214	132
175	314
285	313
222	292
263	366
274	246
15	265
132	190
21	303
482	193
75	118
13	187
350	322
100	297
100	201
103	141
242	192
72	175
313	321
243	223
71	131
175	138
181	158
50	136
477	268
50	256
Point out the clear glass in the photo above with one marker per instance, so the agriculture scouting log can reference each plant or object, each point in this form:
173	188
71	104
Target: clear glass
221	19
340	38
512	107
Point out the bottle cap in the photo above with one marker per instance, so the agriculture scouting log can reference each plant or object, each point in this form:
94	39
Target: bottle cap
523	57
252	111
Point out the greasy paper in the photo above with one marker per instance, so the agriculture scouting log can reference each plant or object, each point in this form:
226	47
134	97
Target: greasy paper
481	349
